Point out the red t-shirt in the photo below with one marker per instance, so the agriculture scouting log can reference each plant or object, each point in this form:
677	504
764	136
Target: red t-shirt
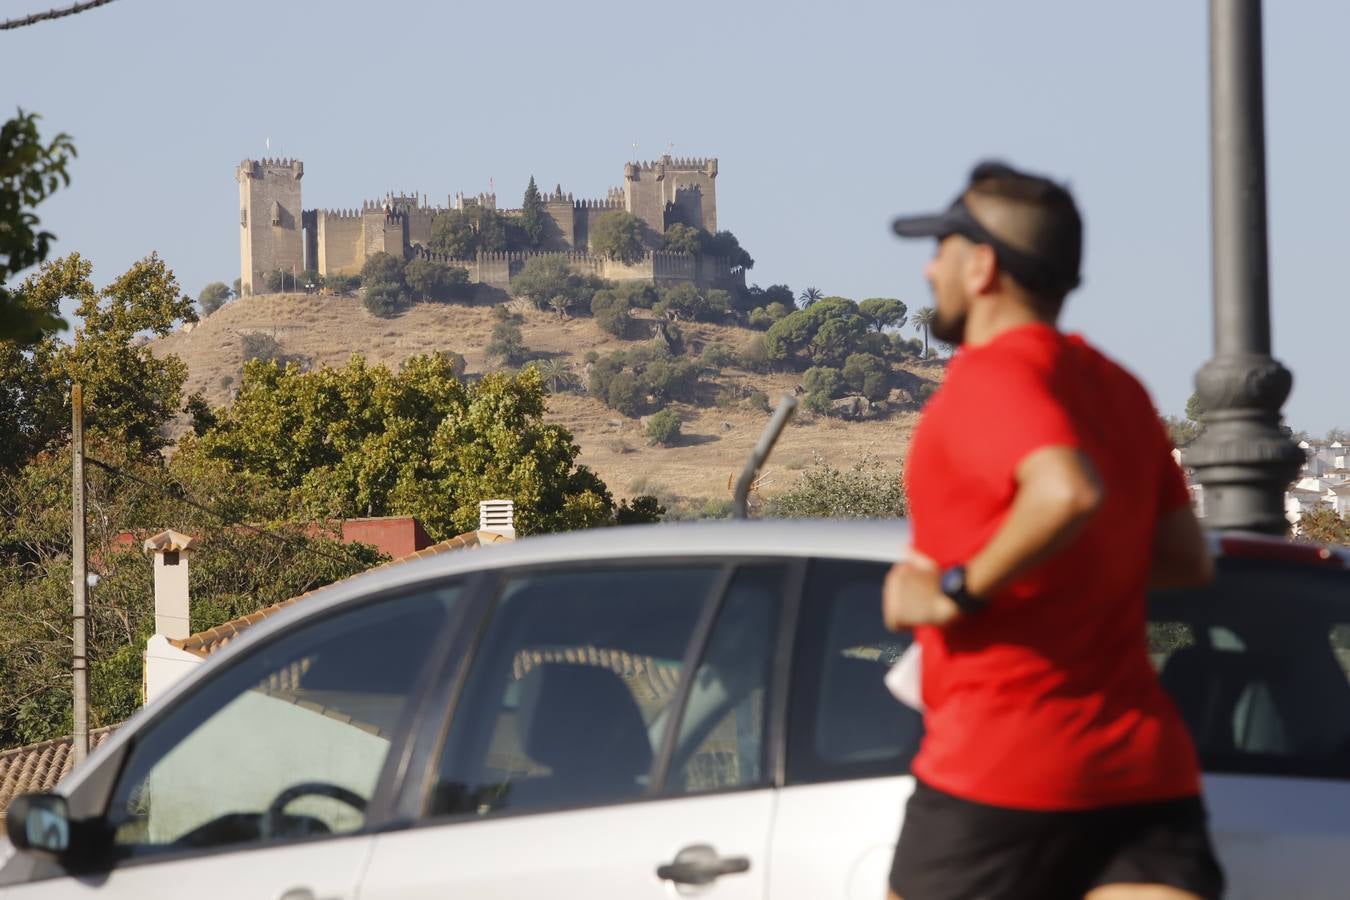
1046	700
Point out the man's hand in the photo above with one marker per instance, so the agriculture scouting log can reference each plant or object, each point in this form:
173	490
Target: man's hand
910	595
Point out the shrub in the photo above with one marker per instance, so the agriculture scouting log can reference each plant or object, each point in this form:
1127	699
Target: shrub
755	355
642	511
592	356
758	400
213	297
383	298
685	301
717	355
430	280
342	284
506	342
868	374
261	346
717	508
624	394
664	427
611	312
382	268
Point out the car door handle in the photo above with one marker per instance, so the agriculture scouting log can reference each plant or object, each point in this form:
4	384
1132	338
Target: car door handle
700	864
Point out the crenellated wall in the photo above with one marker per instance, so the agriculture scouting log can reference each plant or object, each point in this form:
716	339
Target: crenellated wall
341	246
276	234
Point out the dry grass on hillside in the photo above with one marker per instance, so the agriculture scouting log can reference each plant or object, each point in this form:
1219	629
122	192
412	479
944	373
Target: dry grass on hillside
716	441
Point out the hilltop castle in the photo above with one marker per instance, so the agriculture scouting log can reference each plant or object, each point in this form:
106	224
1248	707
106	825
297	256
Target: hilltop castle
277	234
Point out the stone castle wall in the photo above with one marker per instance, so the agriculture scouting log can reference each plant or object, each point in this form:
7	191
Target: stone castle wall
275	233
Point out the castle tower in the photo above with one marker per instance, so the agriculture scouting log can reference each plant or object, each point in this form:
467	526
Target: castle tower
270	221
672	190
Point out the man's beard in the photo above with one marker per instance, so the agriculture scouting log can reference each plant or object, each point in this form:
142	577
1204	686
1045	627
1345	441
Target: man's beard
950	329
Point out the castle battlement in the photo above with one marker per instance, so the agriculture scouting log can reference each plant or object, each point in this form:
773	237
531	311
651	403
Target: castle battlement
277	234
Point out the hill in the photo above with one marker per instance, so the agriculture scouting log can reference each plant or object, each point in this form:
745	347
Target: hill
325	330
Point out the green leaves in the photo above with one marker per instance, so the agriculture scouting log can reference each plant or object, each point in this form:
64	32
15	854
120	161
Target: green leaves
30	171
365	441
618	235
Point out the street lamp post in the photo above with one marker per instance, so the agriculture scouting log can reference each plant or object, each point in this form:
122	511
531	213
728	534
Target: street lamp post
1243	460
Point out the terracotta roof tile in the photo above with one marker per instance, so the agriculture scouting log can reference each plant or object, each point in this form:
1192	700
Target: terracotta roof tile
41	766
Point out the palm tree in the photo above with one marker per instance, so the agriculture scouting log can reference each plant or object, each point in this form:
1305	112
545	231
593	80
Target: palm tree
557	375
923	320
809	296
560	304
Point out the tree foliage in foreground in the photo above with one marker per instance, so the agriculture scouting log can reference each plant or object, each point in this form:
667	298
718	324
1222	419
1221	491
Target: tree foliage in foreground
30	172
366	441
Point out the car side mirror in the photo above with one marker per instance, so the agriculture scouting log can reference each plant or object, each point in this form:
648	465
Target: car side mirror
39	823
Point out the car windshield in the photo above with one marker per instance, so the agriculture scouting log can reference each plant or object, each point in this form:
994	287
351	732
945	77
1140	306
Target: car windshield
1259	664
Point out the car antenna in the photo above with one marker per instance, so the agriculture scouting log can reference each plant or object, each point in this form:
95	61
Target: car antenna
740	508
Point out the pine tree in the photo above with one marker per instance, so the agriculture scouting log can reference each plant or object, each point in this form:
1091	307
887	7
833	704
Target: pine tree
532	215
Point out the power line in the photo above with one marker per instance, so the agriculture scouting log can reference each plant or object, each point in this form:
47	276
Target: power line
52	14
224	519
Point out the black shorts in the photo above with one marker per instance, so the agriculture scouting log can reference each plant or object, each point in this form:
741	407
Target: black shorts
954	849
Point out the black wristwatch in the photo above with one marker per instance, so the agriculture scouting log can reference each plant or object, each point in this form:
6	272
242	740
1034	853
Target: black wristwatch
953	584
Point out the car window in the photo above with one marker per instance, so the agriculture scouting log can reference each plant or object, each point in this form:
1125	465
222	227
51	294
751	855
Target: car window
843	722
564	700
289	741
720	743
1259	666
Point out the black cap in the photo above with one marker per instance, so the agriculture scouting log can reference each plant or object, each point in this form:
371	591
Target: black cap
1053	264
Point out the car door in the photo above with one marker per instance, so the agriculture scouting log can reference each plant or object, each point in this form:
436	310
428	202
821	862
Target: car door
1259	665
265	780
608	742
849	742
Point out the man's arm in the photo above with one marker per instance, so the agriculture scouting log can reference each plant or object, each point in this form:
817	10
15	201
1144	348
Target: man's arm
1181	556
1058	491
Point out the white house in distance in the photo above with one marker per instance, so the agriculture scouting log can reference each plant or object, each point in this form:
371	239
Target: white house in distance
1323	482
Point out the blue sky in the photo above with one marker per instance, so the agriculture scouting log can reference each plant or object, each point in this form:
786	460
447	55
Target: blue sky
827	118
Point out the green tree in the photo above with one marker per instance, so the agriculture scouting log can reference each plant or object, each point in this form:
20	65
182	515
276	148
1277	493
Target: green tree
825	332
868	374
883	312
383	298
453	234
685	239
644	510
923	321
809	296
431	280
213	297
822	384
611	312
533	215
624	394
724	245
617	235
506	341
544	277
236	289
341	285
129	393
867	490
685	301
1183	432
30	172
384	268
237	572
663	428
1195	408
556	374
363	440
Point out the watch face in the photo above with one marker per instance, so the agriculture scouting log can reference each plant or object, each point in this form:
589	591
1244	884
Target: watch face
953	581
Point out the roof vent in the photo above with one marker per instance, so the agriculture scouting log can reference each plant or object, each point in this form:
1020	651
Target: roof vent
497	517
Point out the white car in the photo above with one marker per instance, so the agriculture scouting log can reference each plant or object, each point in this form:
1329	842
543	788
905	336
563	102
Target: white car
674	710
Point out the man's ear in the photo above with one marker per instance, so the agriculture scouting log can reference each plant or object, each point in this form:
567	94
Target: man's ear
981	269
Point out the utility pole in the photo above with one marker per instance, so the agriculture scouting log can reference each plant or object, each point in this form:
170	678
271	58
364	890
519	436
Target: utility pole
1243	460
80	574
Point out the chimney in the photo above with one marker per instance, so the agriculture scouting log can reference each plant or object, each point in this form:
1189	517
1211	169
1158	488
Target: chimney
497	517
171	551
